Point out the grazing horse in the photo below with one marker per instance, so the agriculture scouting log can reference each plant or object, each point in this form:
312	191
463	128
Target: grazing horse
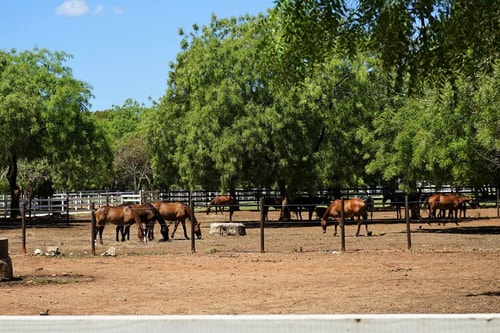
219	201
397	200
305	203
271	202
451	202
178	212
123	215
352	208
148	215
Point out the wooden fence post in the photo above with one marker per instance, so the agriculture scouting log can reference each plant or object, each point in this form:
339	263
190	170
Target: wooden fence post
93	237
407	217
193	242
23	227
342	225
262	218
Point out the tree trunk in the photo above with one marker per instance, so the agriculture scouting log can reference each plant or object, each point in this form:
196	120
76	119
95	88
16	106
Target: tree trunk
15	191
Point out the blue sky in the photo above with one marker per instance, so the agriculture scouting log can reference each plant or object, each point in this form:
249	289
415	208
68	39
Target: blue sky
121	47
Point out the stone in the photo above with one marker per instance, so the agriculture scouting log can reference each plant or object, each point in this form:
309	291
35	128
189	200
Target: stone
110	252
227	229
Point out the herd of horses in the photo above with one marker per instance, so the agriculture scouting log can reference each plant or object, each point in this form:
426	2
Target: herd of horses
144	216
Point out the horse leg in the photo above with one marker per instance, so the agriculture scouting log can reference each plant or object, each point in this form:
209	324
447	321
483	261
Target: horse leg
140	234
311	211
299	213
101	229
151	232
365	218
359	226
176	224
456	215
119	229
127	233
184	228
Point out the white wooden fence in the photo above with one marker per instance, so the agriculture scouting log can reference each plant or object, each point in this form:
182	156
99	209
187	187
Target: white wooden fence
407	323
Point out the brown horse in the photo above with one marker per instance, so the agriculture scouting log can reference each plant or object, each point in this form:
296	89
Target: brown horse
123	215
148	215
178	212
219	201
444	202
352	208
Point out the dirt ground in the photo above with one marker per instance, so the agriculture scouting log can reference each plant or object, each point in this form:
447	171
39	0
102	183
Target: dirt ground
450	269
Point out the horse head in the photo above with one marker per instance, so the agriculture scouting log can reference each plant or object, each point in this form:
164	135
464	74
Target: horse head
164	232
197	229
323	224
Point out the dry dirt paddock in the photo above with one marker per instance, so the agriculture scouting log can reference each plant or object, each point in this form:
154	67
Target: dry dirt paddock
450	269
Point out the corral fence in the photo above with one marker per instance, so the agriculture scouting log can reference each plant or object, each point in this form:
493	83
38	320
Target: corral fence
64	204
409	323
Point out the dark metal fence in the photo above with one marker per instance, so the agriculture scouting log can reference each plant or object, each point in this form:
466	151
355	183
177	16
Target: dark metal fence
82	201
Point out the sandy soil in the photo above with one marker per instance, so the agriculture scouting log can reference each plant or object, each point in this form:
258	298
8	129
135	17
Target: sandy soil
450	269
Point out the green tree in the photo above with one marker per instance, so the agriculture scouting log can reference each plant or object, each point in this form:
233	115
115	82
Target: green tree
437	61
126	129
233	116
44	114
212	86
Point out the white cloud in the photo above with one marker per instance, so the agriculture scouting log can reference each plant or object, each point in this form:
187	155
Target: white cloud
72	8
98	9
117	9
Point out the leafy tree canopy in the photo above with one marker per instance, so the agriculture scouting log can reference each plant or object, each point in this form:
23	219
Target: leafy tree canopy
44	114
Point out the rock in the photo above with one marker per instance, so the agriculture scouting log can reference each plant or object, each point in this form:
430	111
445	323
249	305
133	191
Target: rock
227	229
53	251
110	252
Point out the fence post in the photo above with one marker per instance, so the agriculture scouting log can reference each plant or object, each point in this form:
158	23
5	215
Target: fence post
193	242
498	202
407	217
93	237
67	209
342	224
262	218
23	227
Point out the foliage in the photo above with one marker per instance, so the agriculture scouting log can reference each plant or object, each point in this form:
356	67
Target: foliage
44	115
438	118
230	118
314	94
126	129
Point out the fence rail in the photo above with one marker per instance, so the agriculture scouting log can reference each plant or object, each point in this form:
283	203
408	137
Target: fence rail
410	323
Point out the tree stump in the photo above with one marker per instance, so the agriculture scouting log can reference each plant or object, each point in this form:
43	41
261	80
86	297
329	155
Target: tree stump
6	272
